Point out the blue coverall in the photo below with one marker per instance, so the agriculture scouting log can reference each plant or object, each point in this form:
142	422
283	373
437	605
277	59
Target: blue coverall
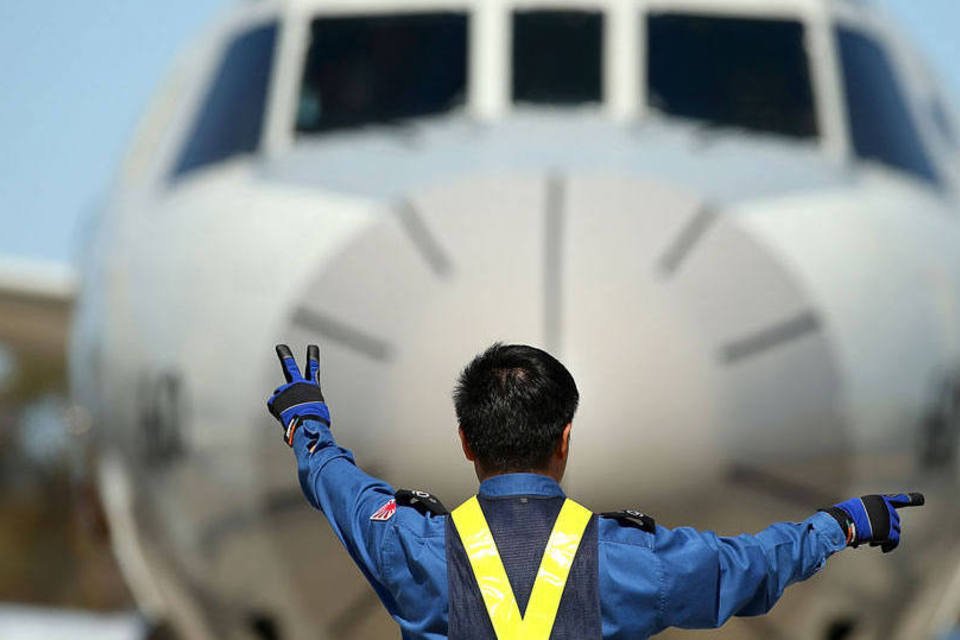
648	582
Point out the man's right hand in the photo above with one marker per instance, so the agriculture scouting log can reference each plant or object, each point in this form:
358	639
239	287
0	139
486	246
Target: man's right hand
874	518
300	397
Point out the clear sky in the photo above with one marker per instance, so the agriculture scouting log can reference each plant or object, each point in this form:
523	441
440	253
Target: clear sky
76	76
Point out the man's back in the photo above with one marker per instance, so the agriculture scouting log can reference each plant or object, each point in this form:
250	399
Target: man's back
521	512
633	582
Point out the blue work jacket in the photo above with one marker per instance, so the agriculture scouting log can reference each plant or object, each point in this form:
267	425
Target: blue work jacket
648	581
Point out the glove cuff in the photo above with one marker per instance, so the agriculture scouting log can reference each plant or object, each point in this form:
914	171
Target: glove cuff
290	430
846	523
295	423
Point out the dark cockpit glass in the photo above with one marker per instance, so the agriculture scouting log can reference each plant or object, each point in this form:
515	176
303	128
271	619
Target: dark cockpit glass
732	72
230	119
557	57
378	69
881	126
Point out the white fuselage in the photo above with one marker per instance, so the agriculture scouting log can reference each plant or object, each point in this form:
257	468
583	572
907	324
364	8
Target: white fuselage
758	324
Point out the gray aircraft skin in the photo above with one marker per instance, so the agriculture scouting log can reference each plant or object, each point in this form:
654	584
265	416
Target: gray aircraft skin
755	282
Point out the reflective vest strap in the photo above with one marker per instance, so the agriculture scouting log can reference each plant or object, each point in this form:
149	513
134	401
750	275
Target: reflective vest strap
554	569
488	568
498	596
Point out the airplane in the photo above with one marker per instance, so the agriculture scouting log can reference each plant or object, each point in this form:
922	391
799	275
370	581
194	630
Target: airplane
736	221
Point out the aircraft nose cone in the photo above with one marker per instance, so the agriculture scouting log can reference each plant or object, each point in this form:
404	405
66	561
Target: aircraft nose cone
649	407
693	347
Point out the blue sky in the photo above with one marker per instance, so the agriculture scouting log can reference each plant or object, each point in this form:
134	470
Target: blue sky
75	80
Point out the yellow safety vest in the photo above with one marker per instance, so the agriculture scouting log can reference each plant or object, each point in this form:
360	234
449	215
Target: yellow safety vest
498	596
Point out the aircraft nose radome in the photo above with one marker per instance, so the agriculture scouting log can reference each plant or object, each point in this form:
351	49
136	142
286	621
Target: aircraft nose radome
692	345
701	355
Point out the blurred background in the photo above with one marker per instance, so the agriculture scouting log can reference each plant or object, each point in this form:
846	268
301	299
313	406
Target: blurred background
76	82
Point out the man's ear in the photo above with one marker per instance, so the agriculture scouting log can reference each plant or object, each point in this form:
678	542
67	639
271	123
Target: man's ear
564	445
467	451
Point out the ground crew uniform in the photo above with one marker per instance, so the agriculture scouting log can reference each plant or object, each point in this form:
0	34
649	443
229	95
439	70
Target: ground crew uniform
520	561
626	579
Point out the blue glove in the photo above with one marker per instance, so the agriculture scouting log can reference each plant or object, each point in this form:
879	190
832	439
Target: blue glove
300	397
874	518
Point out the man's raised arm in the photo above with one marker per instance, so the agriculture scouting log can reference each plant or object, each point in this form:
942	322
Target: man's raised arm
329	477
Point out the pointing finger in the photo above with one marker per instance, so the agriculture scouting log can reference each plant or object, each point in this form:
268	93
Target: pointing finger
902	500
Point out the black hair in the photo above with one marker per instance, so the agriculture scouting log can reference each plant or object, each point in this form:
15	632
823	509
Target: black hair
512	402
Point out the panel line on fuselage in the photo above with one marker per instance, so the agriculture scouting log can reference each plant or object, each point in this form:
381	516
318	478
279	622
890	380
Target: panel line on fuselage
687	240
554	218
775	335
425	242
342	333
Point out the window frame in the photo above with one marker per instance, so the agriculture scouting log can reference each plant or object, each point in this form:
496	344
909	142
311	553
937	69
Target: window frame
444	28
199	66
811	137
924	90
176	169
489	79
164	132
489	73
608	67
869	26
604	17
294	43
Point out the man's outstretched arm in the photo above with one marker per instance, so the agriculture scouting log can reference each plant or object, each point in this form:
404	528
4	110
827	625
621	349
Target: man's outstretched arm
709	578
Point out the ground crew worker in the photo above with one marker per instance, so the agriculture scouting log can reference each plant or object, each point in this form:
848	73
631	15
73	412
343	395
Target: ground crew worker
522	561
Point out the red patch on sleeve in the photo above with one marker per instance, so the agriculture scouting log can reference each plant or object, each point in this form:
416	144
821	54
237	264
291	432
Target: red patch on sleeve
385	512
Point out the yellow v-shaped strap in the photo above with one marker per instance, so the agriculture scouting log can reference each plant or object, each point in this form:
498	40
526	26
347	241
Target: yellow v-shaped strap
498	596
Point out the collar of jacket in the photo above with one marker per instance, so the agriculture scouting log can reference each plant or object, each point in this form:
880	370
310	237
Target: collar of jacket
520	484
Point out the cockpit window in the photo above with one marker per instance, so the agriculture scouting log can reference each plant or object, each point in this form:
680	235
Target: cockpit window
230	119
557	57
378	69
734	72
881	126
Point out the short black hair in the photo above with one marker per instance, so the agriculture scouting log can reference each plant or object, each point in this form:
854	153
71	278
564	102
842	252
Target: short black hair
512	402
